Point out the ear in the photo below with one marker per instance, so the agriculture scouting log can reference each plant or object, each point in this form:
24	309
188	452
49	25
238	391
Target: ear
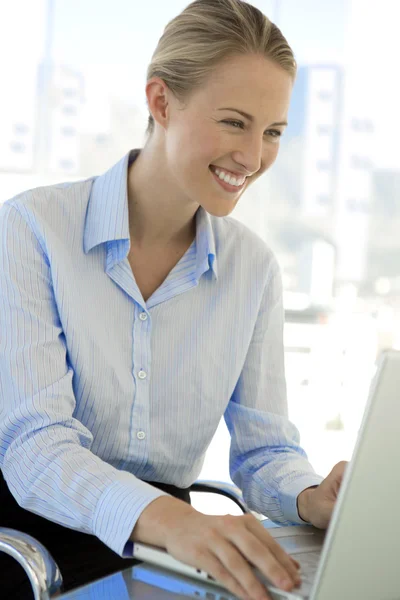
157	93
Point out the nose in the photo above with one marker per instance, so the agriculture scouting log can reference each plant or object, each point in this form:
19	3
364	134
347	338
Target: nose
249	153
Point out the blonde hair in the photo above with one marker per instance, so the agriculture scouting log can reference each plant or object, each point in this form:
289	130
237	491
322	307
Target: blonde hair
207	32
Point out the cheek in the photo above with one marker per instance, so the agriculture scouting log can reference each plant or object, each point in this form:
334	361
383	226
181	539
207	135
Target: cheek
206	145
201	149
271	155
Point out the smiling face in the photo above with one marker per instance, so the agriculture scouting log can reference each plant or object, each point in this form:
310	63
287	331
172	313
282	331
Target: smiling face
229	127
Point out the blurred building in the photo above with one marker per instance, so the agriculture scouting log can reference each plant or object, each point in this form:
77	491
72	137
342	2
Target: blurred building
310	172
354	192
121	129
57	105
386	199
60	98
383	258
328	168
21	40
17	122
314	113
336	180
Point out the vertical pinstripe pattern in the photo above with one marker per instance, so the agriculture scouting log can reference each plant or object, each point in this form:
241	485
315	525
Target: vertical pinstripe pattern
100	390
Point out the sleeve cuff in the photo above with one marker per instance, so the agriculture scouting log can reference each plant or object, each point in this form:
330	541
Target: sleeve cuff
288	496
120	507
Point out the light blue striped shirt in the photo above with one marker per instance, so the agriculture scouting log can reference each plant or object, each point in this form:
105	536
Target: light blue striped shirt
101	390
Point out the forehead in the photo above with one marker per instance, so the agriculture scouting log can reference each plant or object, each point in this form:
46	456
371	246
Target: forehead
251	81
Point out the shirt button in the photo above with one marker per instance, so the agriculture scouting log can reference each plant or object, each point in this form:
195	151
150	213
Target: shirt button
140	435
142	374
143	316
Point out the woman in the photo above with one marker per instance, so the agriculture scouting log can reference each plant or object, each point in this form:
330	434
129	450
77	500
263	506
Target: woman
134	314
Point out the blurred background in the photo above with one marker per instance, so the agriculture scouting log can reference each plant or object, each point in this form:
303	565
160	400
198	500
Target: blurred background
72	103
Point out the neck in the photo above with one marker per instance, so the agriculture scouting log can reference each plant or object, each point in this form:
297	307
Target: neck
158	215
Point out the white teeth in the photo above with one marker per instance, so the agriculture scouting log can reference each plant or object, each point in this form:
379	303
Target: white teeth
229	178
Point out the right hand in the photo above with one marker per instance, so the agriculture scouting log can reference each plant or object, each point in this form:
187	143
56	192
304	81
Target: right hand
223	546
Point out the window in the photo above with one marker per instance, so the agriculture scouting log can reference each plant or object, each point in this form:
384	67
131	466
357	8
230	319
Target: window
69	109
68	131
324	200
67	164
17	147
98	106
102	138
324	165
324	129
70	92
20	129
361	162
325	96
362	125
356	205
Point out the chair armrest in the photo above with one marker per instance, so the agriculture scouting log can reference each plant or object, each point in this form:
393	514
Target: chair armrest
43	573
224	489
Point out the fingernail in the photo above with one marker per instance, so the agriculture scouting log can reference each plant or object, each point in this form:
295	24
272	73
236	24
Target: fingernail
284	583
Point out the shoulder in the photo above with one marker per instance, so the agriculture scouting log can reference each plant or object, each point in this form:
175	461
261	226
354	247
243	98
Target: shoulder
50	206
236	240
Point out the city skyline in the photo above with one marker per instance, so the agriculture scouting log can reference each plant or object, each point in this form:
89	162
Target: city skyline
107	123
101	40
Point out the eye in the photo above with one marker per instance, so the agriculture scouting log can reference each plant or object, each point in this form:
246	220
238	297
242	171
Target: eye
236	124
275	133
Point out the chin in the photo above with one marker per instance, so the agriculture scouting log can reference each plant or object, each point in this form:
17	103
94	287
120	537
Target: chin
219	211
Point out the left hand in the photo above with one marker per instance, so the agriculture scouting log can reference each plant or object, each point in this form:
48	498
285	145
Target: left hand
315	505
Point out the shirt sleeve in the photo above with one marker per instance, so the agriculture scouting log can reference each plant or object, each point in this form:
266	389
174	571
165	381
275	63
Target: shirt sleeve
266	460
45	453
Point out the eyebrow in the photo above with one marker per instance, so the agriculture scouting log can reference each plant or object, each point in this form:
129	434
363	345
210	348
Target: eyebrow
250	117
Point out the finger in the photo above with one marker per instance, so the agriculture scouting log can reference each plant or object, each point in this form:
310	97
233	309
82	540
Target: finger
284	576
266	538
296	564
236	564
292	566
214	567
289	564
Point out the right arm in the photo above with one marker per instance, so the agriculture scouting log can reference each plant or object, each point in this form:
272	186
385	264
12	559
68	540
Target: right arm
45	453
223	546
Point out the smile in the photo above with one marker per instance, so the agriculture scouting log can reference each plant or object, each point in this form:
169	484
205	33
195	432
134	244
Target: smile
227	181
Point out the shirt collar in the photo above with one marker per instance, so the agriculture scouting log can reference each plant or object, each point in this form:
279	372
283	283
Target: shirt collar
107	216
108	219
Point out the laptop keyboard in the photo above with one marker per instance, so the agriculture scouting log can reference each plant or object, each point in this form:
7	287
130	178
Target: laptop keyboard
309	563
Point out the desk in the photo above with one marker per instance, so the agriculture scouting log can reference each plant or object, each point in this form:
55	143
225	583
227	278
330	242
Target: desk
145	582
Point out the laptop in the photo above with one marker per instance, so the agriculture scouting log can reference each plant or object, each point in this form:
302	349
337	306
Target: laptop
359	556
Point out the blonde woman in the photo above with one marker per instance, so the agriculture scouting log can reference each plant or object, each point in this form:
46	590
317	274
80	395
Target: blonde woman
134	313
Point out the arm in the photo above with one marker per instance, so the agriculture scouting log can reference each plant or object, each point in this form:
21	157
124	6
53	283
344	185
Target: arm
266	460
45	453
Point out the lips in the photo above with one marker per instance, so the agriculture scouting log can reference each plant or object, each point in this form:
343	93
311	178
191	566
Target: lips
227	186
233	173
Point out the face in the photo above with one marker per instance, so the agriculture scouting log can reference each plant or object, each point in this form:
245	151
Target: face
226	135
